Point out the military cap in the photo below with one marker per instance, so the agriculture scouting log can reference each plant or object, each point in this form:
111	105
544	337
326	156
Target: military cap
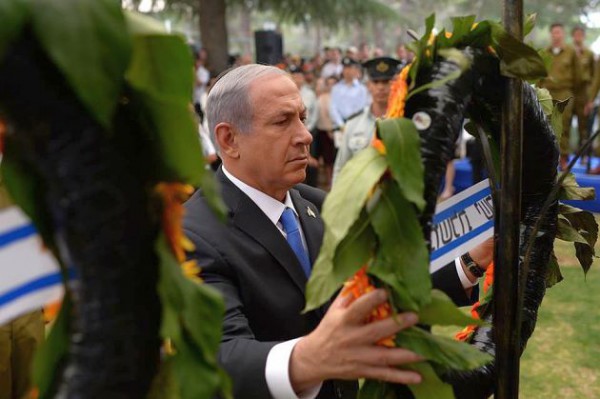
347	61
382	68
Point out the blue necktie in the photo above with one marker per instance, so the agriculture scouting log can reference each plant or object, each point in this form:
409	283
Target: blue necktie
292	231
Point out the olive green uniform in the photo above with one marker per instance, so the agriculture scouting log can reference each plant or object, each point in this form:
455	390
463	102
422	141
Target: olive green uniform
19	340
581	92
563	78
358	133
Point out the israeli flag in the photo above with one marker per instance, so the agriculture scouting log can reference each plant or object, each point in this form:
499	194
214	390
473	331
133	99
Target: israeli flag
461	223
31	276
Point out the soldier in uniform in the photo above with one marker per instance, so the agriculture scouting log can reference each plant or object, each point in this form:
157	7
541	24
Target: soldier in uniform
586	61
360	127
563	78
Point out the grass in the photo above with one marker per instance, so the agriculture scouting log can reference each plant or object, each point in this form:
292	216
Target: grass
562	359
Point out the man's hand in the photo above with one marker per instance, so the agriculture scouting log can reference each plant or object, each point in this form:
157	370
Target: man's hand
343	346
483	255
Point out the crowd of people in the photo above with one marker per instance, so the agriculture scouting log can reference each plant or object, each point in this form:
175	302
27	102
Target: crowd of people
336	87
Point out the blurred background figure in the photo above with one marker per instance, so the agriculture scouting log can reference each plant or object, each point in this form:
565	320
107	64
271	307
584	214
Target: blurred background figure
349	96
333	66
325	150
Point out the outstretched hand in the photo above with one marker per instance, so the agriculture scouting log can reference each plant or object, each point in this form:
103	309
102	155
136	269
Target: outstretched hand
343	346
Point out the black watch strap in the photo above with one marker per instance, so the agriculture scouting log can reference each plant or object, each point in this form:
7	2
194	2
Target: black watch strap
473	267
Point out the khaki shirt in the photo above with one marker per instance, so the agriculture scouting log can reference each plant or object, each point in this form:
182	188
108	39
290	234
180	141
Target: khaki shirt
358	133
595	82
565	70
587	64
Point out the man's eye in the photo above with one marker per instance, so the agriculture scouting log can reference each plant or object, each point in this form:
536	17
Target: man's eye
281	122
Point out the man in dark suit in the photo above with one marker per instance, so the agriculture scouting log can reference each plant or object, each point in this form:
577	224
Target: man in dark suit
261	257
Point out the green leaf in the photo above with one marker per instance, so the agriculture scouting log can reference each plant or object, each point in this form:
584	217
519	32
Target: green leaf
584	223
403	154
402	259
53	352
518	60
192	315
375	389
140	24
442	311
431	386
13	15
420	49
553	275
570	190
89	43
529	24
351	254
341	210
566	232
446	353
545	99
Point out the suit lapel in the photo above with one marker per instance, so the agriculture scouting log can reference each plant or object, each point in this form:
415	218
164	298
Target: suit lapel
248	217
312	224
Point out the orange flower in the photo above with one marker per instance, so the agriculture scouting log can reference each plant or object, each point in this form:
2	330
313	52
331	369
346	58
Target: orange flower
379	146
51	311
359	285
488	282
398	93
173	195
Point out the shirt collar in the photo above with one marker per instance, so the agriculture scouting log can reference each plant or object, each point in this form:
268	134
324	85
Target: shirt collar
271	207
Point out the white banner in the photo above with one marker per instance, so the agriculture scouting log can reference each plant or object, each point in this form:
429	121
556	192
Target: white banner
461	223
31	277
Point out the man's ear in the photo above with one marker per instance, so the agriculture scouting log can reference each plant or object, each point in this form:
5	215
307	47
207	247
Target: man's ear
226	136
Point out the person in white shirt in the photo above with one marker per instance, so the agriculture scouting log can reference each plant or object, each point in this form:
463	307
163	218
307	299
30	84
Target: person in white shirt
261	258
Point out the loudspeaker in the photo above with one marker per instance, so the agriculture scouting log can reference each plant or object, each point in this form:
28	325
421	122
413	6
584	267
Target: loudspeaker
269	47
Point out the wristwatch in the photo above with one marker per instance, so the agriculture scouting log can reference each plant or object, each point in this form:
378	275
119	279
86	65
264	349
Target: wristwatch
472	266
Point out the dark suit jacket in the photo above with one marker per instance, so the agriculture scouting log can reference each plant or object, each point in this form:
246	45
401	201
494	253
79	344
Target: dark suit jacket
251	263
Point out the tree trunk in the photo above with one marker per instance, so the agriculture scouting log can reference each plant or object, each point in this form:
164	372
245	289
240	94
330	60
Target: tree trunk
213	33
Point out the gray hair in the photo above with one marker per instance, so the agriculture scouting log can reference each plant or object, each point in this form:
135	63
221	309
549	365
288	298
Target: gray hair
229	99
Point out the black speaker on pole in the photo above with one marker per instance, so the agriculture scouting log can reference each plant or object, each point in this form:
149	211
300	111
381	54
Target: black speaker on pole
269	47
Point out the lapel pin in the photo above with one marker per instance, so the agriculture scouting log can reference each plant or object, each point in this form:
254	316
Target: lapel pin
310	212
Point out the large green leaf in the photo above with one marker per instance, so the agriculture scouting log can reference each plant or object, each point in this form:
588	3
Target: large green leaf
89	43
53	351
403	153
442	311
351	254
446	353
341	211
529	24
584	223
570	190
13	15
553	275
431	386
162	79
191	318
518	60
566	232
402	259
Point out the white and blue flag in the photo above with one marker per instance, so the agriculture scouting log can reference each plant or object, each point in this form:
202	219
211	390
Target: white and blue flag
461	223
30	275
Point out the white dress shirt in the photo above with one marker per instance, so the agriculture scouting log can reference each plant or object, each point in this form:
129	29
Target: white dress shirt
278	359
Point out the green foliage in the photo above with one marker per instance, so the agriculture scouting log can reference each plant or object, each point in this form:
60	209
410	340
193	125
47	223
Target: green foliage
581	228
88	42
442	311
553	276
570	190
192	315
402	259
401	138
341	210
446	353
431	386
13	15
51	354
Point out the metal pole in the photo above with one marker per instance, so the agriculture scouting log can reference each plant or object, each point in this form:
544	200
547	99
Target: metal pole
507	323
